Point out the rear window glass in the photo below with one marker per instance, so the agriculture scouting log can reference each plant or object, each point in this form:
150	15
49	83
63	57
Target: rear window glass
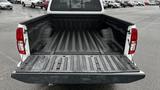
75	5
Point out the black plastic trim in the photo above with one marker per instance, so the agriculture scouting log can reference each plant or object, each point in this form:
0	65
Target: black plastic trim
78	78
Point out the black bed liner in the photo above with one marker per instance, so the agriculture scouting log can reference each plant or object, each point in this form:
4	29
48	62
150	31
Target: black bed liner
77	63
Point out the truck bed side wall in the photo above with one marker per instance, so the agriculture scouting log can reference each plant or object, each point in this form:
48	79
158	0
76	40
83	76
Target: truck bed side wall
120	27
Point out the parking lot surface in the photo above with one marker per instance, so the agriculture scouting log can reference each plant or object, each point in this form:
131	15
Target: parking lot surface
147	57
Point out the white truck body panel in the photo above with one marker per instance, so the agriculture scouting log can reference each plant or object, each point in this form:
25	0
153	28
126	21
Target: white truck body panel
27	48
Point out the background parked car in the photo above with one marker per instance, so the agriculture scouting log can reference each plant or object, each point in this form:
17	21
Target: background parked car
129	3
112	4
11	1
18	1
152	3
122	4
44	4
138	3
32	3
4	4
157	2
105	5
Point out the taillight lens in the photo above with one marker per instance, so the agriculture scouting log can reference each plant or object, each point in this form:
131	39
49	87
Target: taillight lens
133	41
20	41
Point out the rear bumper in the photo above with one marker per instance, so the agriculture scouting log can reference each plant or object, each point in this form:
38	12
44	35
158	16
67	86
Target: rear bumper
78	78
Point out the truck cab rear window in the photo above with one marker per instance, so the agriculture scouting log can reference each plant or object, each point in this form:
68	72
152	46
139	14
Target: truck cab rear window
75	5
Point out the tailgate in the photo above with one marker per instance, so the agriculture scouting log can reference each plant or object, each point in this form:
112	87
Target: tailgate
76	69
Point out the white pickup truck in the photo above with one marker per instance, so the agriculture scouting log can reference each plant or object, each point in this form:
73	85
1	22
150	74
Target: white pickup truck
76	43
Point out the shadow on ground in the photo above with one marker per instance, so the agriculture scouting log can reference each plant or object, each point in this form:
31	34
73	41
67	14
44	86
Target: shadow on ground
79	87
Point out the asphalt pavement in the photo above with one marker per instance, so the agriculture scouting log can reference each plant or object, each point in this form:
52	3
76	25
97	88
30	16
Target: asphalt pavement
147	55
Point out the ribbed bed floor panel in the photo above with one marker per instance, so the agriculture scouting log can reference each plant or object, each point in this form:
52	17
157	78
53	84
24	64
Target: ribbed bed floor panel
77	63
77	42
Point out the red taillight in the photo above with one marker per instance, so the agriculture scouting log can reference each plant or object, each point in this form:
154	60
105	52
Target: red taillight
20	41
133	42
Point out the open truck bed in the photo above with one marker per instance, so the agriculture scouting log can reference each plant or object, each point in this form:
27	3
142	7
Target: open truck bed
76	49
